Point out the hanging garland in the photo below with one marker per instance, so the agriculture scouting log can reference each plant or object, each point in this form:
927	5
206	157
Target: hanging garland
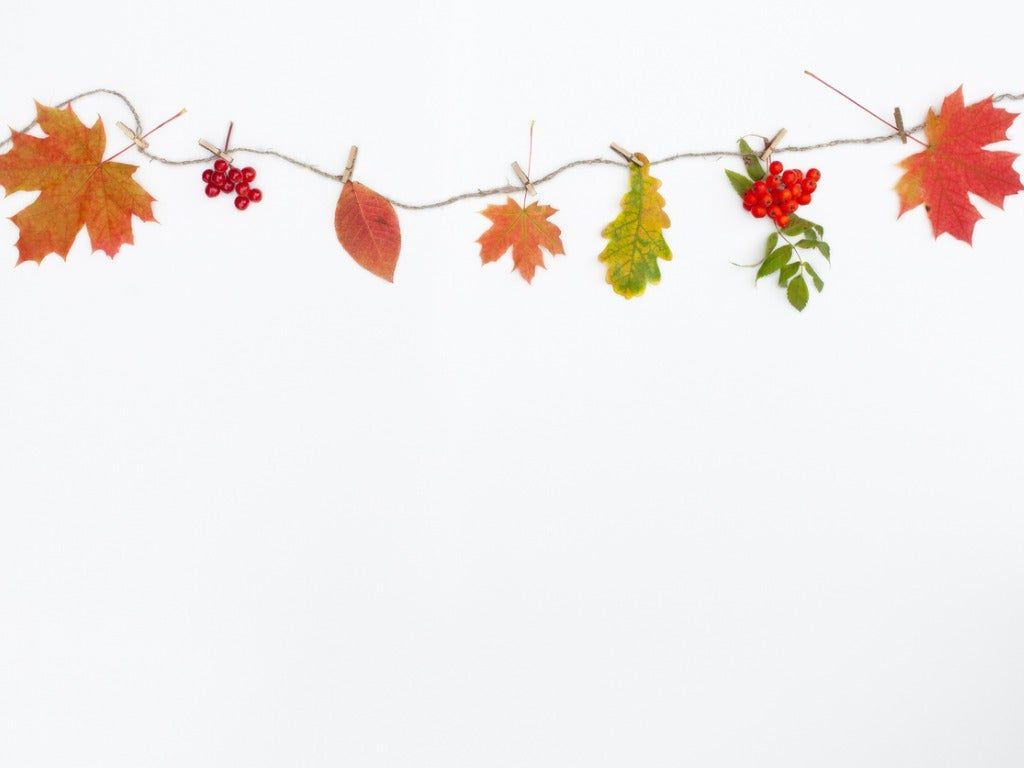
79	188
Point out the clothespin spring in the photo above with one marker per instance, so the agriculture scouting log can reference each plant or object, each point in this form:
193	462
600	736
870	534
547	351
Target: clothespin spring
898	116
524	179
770	146
137	140
350	164
625	153
216	152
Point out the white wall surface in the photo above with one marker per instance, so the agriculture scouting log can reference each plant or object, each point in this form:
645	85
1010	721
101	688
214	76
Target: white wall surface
259	508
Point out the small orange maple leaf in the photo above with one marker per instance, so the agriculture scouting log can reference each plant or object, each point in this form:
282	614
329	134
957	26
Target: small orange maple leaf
956	162
77	189
525	231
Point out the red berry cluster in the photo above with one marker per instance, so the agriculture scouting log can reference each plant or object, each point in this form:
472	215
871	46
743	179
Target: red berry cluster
780	193
226	178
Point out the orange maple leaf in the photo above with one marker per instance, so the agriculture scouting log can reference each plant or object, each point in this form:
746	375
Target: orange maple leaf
956	162
77	189
525	231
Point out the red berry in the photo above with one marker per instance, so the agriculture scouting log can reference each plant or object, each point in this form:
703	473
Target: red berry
212	191
219	178
759	212
799	174
243	189
810	185
248	174
805	199
785	195
790	207
241	203
789	178
775	168
760	187
255	195
234	175
783	220
797	190
748	206
220	166
813	174
207	175
227	186
774	212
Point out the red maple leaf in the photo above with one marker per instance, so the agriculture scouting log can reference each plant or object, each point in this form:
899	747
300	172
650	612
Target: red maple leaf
956	162
525	231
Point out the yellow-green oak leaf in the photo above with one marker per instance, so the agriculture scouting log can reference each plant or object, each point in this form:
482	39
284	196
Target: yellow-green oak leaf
635	239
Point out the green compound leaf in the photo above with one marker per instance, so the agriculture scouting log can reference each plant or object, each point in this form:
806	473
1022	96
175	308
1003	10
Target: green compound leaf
753	165
773	240
635	240
798	293
739	182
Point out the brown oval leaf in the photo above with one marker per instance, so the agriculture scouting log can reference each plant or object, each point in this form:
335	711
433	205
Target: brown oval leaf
367	228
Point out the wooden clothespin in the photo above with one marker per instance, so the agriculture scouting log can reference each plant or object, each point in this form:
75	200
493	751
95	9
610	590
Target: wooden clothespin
524	179
350	164
630	156
137	140
216	152
769	146
898	116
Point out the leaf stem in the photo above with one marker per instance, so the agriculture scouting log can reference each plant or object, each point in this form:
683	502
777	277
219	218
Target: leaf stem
796	250
857	103
529	161
143	136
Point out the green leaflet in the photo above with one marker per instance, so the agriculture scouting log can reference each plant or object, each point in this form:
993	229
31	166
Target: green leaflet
739	182
750	161
635	240
797	292
777	260
787	272
819	284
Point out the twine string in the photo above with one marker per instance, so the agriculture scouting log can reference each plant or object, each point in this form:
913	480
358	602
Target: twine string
479	193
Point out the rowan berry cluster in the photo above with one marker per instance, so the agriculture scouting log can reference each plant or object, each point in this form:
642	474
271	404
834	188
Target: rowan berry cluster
779	194
226	178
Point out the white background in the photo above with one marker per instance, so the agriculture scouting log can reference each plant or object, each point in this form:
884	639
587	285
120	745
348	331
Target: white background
260	508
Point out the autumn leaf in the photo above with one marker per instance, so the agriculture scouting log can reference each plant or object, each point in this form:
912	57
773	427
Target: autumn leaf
525	231
635	239
77	189
367	227
956	163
